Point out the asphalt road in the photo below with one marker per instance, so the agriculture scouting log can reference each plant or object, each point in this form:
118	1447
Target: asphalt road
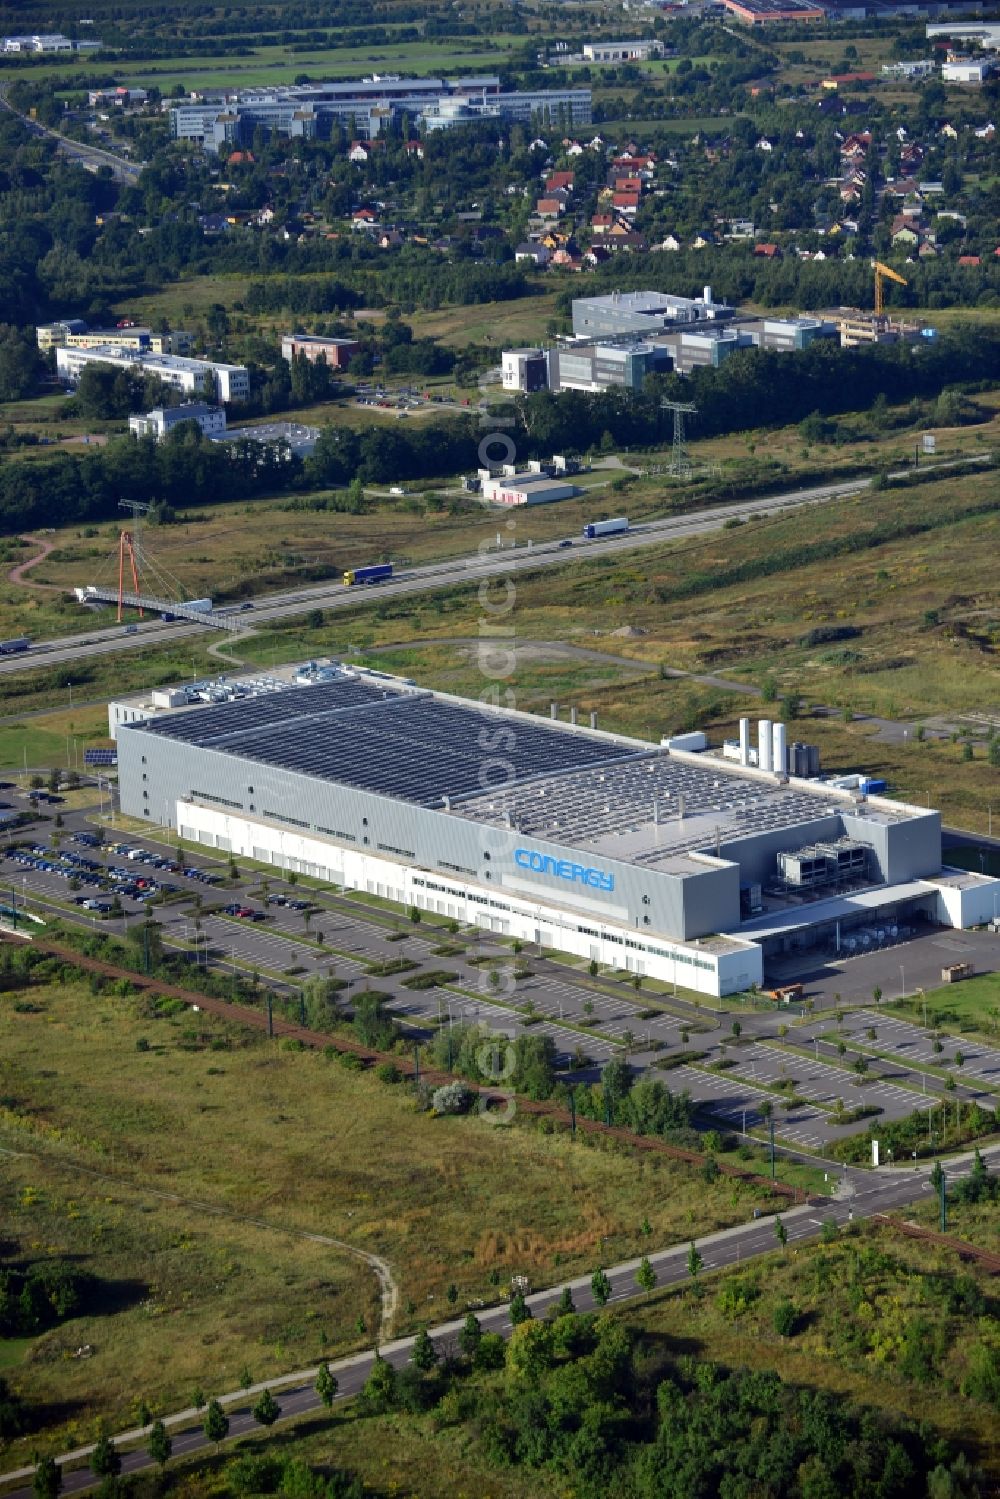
492	565
88	156
862	1196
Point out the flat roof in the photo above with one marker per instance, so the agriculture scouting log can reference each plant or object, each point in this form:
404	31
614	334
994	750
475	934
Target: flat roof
601	792
838	908
380	737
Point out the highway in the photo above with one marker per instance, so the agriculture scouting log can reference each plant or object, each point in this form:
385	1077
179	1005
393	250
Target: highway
90	157
453	573
862	1195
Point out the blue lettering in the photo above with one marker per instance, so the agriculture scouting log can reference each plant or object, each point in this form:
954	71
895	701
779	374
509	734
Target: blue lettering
563	869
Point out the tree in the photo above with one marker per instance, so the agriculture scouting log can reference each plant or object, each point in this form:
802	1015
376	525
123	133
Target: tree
600	1287
471	1336
877	995
216	1423
519	1310
565	1306
737	1029
379	1393
326	1386
160	1445
695	1261
267	1410
452	1294
785	1318
105	1460
645	1276
780	1232
47	1482
424	1355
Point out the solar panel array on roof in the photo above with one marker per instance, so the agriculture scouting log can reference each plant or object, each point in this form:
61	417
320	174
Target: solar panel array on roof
211	725
644	791
409	745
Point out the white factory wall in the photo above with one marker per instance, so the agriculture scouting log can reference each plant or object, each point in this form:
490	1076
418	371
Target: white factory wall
968	905
497	911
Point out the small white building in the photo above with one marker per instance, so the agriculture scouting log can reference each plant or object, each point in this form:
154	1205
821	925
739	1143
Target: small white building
526	489
965	70
524	369
638	51
162	420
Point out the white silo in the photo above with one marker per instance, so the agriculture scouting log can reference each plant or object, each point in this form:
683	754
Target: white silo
744	741
764	744
779	749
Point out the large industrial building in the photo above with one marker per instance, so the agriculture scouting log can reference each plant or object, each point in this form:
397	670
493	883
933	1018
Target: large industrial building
661	860
366	106
642	312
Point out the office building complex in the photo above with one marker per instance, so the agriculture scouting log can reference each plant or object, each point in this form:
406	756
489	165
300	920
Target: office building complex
366	106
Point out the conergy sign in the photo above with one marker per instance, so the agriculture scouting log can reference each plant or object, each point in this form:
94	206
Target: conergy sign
563	869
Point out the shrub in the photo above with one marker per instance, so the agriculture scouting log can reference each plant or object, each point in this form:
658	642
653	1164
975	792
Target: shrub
453	1098
388	1072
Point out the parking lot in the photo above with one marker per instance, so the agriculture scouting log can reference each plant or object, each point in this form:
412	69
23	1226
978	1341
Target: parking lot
914	1045
823	1085
290	932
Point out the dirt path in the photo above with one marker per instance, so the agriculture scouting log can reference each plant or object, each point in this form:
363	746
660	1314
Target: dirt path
16	574
389	1289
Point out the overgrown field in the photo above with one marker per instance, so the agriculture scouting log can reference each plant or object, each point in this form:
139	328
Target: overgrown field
239	1128
880	1352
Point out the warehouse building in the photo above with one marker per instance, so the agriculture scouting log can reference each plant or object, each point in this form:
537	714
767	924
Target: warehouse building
531	488
659	860
642	312
607	52
231	382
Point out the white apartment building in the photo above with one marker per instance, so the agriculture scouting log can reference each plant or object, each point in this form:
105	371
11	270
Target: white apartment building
231	381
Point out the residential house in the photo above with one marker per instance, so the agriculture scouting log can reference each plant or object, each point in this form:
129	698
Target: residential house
532	253
764	144
970	260
559	182
550	208
768	251
415	148
668	242
363	218
626	203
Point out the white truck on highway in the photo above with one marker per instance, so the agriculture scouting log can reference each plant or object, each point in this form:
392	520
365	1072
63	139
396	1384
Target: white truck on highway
605	528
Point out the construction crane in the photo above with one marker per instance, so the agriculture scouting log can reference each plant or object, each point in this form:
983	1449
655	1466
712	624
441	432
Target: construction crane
883	272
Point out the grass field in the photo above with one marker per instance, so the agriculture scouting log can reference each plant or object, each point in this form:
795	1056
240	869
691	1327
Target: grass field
281	64
256	1130
970	1006
58	738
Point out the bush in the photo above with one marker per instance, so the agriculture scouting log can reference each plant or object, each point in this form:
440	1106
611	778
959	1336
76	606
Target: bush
453	1098
388	1072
